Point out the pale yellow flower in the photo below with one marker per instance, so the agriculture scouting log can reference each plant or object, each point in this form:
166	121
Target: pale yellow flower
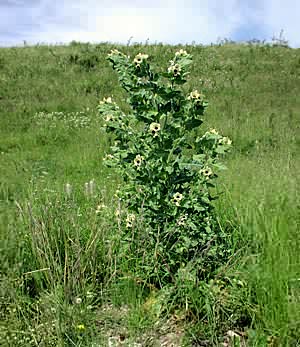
213	131
181	53
138	160
106	101
114	52
181	220
207	172
109	117
108	157
130	219
78	301
174	69
154	129
225	141
177	197
139	58
196	97
80	327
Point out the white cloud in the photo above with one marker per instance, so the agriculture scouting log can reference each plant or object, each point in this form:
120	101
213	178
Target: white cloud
184	21
163	21
279	15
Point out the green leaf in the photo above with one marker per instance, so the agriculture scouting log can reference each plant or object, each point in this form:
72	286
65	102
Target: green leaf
220	166
193	123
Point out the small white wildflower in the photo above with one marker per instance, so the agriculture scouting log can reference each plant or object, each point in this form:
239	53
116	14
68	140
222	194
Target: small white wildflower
139	58
106	101
193	95
154	129
80	327
177	197
108	157
138	161
181	53
210	132
130	220
225	141
109	117
174	69
115	52
213	131
196	97
181	220
207	172
78	301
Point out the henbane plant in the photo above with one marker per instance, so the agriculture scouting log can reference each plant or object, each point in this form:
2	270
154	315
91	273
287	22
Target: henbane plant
168	168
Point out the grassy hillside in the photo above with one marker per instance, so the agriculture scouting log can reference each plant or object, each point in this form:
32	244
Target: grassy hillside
59	255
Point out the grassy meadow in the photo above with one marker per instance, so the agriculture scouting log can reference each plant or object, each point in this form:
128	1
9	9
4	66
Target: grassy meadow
60	279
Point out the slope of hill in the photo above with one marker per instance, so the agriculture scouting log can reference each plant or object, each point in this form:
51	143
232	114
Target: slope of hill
59	283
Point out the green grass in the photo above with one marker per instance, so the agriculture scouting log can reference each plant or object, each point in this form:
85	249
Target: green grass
55	248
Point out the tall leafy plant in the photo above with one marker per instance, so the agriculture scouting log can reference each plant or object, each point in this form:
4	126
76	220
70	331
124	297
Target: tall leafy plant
168	168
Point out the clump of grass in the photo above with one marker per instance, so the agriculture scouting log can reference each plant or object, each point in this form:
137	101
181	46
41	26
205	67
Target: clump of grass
71	120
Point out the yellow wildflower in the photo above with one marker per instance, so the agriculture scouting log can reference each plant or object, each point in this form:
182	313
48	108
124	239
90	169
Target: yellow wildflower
181	220
138	160
196	97
109	117
225	141
80	327
181	53
177	197
174	69
78	301
108	157
207	172
154	129
114	52
130	220
213	131
106	101
139	58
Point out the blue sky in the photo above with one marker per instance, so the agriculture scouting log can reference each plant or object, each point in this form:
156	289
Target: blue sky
176	21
